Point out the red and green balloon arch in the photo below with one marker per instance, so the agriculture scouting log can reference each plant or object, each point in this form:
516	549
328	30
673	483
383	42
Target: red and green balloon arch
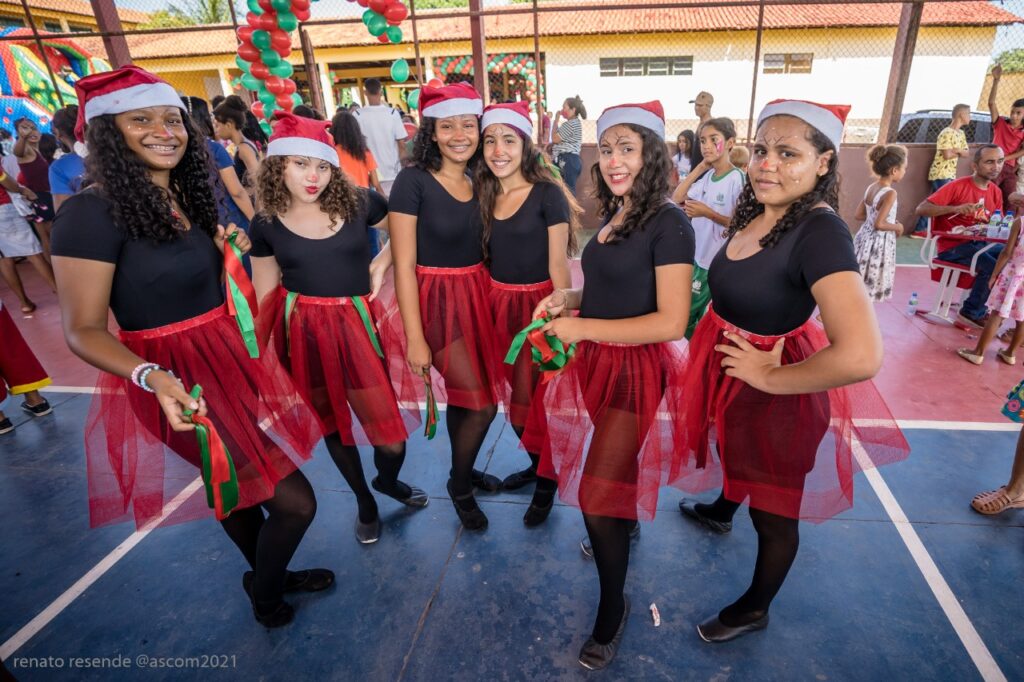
516	63
265	44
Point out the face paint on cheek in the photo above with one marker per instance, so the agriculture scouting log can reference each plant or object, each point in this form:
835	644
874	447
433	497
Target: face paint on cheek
719	146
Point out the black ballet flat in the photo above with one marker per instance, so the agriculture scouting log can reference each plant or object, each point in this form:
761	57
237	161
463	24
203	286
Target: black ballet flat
417	498
486	482
714	630
594	656
688	508
472	518
309	580
537	514
273	616
367	533
519	479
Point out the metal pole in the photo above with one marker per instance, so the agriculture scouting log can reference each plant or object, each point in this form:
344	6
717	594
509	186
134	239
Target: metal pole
42	51
416	43
478	41
109	23
234	17
537	72
757	64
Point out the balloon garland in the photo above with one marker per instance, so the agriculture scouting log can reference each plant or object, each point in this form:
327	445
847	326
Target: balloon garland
512	63
382	19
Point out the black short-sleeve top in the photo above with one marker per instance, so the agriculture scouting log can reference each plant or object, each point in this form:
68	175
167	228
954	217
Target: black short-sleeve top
619	277
448	231
335	266
769	293
155	283
518	245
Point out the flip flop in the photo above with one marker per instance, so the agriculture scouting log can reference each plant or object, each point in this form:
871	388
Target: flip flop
995	502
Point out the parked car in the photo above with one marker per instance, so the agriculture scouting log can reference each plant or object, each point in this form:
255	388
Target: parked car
923	127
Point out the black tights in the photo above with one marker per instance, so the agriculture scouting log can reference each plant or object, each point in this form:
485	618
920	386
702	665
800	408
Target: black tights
269	543
467	430
609	537
778	538
546	488
720	510
388	460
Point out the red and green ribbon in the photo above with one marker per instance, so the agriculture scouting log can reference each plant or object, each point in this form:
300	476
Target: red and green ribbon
241	295
289	306
360	304
431	424
548	352
219	475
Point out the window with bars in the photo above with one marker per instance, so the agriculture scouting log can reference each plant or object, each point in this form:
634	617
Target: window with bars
788	62
53	26
646	66
11	22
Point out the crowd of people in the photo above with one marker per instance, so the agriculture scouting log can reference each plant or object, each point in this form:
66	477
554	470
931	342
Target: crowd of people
253	267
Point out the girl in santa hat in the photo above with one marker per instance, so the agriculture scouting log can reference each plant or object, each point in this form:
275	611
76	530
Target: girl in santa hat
610	412
318	287
442	284
778	389
529	220
143	241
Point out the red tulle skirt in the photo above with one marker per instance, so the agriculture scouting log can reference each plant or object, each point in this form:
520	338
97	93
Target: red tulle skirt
614	439
519	388
458	328
137	464
791	455
366	398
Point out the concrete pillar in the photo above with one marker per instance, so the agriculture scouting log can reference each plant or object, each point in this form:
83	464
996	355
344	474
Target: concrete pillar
327	88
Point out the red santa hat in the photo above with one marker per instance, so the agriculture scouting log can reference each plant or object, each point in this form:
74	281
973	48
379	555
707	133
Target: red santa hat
118	91
828	119
298	136
650	115
515	114
457	99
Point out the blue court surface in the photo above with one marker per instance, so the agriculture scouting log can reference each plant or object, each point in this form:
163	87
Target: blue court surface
908	585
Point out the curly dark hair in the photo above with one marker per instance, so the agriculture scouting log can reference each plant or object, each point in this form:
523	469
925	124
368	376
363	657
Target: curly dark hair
348	135
536	168
649	191
826	189
341	200
140	207
426	155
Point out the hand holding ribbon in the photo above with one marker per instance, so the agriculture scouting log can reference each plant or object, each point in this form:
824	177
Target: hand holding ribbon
548	352
219	475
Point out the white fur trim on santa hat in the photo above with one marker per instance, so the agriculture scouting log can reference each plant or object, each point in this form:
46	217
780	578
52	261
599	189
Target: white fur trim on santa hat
303	146
458	106
820	118
129	99
507	117
634	115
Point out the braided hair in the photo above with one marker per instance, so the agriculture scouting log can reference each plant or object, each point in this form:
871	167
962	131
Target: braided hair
826	189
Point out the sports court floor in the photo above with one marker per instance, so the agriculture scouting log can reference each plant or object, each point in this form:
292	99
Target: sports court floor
909	584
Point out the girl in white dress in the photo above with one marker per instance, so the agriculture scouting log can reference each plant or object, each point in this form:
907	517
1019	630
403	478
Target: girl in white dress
875	242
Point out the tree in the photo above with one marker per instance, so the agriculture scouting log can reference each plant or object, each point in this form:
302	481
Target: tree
1012	61
191	13
441	4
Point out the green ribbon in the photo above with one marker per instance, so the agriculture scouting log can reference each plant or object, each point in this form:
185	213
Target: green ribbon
220	479
364	315
242	303
547	352
289	306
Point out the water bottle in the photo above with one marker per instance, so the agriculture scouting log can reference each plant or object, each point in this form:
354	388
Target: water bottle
1004	230
912	305
995	223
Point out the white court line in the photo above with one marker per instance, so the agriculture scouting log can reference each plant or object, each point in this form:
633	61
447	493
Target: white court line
957	426
912	265
32	628
970	638
69	389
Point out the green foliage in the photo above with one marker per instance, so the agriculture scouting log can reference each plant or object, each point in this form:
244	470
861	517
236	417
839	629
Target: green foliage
191	13
1012	61
441	4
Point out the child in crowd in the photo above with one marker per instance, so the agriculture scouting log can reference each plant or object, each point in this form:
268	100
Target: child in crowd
739	156
681	159
875	244
1006	300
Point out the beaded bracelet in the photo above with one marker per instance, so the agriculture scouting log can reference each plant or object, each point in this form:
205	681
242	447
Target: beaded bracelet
138	370
141	373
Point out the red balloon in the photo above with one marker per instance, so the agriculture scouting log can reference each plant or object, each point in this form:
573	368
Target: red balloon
257	109
435	83
299	5
396	13
362	3
285	102
275	84
265	4
254	20
248	52
302	14
244	34
289	86
378	6
259	70
383	38
279	38
269	21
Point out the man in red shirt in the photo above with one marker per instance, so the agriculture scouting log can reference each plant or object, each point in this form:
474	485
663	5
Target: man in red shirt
1008	133
961	203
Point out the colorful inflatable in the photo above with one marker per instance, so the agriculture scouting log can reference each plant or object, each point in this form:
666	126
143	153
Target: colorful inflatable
25	85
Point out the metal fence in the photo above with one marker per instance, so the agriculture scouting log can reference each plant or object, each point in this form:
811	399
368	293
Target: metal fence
902	66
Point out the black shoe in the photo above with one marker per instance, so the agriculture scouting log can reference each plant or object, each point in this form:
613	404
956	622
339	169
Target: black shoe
6	425
486	482
594	656
470	514
714	630
273	615
689	509
519	479
309	580
417	498
367	533
40	410
588	550
537	514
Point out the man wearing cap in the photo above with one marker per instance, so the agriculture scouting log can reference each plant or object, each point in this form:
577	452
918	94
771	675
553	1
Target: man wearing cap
702	104
385	133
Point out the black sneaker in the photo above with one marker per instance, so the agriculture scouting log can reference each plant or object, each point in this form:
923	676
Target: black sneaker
40	410
588	549
6	426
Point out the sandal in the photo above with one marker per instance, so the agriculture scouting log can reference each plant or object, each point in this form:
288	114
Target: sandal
995	502
970	356
1006	356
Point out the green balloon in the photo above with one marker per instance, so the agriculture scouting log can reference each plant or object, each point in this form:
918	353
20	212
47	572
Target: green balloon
265	96
413	100
369	14
287	21
296	99
270	58
283	69
281	5
377	25
394	34
261	39
265	126
251	82
254	6
242	64
400	71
